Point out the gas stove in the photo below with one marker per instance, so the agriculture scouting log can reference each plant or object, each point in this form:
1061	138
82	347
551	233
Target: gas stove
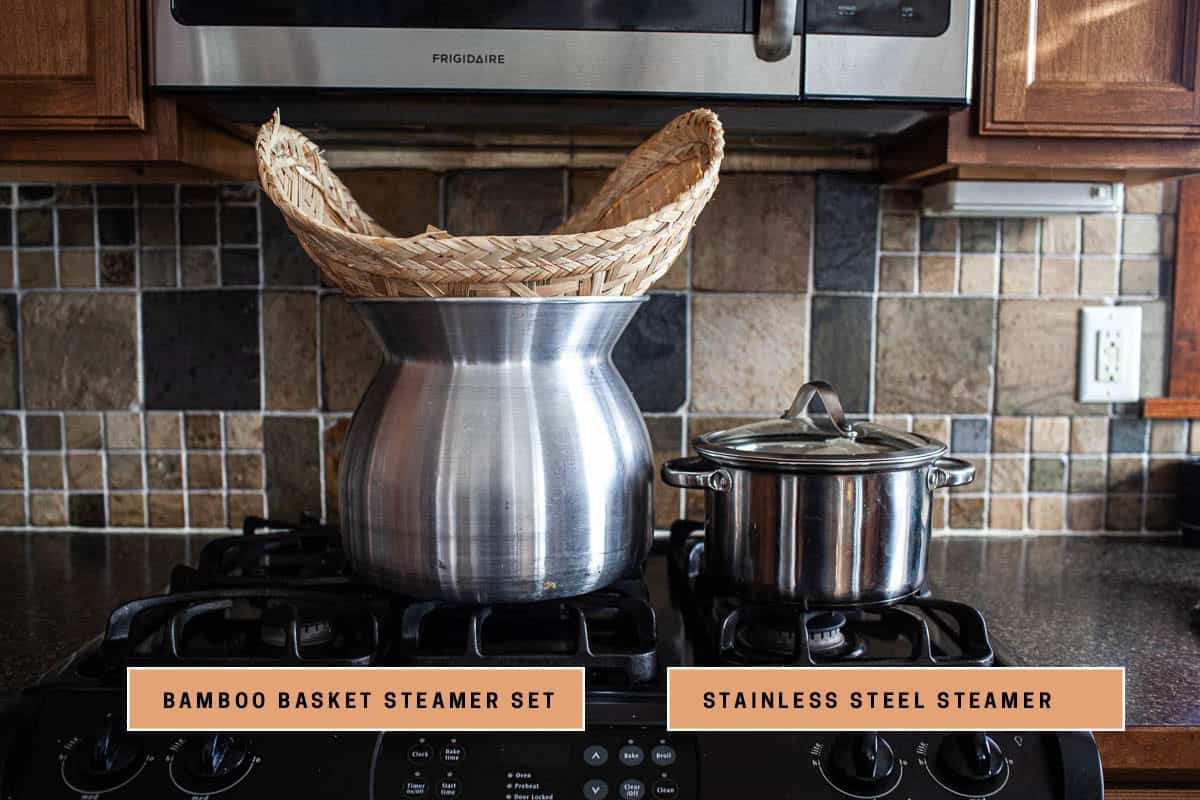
283	596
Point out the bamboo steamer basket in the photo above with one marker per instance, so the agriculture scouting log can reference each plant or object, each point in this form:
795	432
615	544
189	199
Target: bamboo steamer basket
619	243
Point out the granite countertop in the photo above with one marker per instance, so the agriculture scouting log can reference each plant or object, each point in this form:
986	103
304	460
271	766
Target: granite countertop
1052	600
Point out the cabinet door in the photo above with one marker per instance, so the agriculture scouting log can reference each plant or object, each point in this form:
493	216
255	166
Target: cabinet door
1108	68
70	65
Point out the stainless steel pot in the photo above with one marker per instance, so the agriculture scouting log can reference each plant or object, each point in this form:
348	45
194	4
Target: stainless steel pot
812	509
498	455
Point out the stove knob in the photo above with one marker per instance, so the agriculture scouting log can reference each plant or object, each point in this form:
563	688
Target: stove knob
970	763
210	763
863	764
105	760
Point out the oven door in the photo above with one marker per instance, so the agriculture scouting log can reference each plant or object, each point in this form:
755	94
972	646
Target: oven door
746	48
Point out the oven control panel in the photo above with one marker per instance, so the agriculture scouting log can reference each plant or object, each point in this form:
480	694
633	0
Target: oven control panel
877	17
73	746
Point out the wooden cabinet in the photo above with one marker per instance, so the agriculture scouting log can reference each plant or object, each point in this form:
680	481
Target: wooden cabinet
1090	68
71	65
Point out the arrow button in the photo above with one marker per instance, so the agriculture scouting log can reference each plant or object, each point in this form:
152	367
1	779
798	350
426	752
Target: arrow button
595	789
595	756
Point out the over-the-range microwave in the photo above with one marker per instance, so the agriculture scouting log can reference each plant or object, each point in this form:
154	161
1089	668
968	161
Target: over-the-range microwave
908	51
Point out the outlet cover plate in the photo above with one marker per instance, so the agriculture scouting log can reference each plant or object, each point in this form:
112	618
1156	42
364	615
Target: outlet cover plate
1110	354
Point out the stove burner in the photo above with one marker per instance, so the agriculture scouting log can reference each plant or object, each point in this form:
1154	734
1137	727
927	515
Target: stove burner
825	634
311	633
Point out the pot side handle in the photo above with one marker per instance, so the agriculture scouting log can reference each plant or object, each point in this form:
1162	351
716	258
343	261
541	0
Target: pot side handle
694	472
950	472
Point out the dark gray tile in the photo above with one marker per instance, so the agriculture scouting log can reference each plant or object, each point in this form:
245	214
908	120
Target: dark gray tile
158	227
198	266
200	193
35	227
43	432
6	238
10	383
938	234
79	350
75	228
6	197
36	269
666	442
198	225
284	261
977	235
74	194
754	235
504	201
114	195
239	267
35	194
403	201
238	192
1123	513
159	268
1047	474
970	435
652	353
10	432
934	355
156	195
239	225
116	226
1127	435
293	464
846	232
840	352
86	510
201	350
117	268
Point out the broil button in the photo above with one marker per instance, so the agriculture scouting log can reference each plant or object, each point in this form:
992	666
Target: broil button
632	789
663	755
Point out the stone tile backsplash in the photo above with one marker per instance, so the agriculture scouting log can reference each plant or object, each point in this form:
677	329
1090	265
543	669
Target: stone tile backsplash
169	357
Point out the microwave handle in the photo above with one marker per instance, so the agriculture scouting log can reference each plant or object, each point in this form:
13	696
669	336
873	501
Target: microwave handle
776	24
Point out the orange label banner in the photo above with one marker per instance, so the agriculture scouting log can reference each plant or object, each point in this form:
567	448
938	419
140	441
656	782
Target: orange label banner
896	698
355	699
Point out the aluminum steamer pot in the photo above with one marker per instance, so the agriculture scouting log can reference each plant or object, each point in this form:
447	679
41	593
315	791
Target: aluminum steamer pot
498	456
811	509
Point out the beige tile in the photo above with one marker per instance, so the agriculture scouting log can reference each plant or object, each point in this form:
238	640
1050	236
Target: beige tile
1171	195
77	269
731	249
1037	358
1058	275
1085	513
350	356
202	431
242	505
1144	198
1088	476
936	273
206	510
1100	232
897	273
83	431
1006	513
666	442
941	511
122	430
898	233
85	471
958	380
1089	434
737	363
12	510
1009	475
1194	438
1125	474
124	471
244	470
1018	235
45	471
901	422
166	510
933	427
1018	275
1060	234
243	431
1098	276
1047	512
12	471
979	485
48	510
1140	235
163	431
204	471
126	510
164	470
289	335
1050	434
1140	276
1009	434
966	512
1168	436
977	274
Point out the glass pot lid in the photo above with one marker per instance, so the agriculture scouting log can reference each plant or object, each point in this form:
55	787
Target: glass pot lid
807	440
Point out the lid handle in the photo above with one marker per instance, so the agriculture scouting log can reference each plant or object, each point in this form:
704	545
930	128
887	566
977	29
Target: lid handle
834	419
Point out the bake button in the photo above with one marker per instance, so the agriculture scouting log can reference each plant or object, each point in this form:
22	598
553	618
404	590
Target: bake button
453	754
665	789
420	754
630	755
415	788
632	789
595	789
595	756
663	755
450	787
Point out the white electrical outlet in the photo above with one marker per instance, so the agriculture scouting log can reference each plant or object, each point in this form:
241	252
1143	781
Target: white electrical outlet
1110	354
